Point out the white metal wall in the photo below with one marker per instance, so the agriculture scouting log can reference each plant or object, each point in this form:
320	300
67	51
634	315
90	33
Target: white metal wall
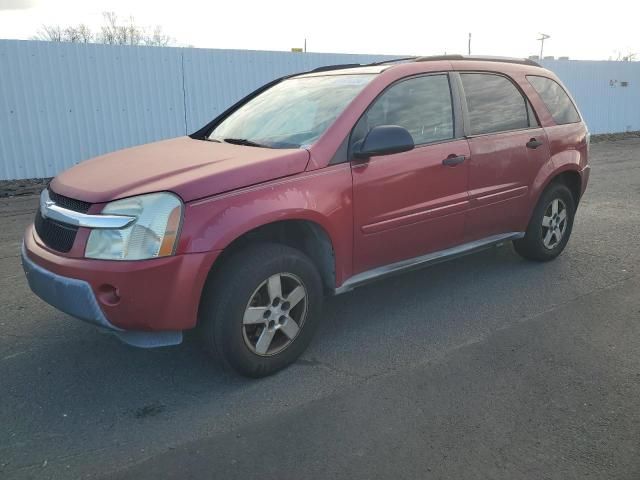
606	105
62	103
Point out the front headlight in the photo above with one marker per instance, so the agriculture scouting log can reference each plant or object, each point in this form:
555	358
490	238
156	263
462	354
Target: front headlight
154	233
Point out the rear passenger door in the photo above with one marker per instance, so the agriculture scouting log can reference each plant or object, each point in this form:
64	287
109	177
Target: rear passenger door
507	146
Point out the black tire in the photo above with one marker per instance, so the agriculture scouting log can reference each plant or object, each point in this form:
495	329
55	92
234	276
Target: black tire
229	293
532	246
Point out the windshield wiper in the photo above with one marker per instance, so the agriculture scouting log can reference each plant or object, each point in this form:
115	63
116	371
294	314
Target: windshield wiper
245	142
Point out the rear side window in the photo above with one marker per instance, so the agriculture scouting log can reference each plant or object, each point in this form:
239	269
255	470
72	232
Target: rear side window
556	99
422	105
494	104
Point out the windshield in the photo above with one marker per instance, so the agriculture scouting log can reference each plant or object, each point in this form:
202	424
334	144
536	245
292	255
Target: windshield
291	114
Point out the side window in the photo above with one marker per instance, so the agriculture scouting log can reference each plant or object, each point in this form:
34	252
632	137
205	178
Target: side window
422	105
494	103
556	99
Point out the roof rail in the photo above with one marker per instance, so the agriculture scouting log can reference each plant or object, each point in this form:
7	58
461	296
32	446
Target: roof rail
340	66
480	58
392	60
434	58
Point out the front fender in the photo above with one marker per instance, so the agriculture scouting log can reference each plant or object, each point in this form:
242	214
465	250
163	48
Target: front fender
322	196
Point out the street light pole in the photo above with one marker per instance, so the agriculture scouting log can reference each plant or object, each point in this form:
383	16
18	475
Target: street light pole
543	37
469	46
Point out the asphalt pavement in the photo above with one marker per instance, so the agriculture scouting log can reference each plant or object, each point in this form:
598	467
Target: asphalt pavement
488	366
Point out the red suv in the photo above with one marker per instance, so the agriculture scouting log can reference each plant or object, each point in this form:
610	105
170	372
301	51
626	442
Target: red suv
316	183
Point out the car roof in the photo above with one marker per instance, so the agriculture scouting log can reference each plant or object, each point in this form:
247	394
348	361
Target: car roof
379	67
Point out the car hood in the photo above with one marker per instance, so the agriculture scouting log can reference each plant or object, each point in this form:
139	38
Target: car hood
191	168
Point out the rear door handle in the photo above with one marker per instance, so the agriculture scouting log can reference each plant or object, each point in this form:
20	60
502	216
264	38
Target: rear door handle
533	143
453	160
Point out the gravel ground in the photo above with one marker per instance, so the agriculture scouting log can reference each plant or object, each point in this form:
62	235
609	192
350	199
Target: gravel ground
484	367
19	188
612	137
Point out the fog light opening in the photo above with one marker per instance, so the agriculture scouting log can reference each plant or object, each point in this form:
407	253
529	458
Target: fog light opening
109	295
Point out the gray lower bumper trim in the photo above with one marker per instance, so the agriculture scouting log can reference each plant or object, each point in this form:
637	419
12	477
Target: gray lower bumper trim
75	297
150	339
69	295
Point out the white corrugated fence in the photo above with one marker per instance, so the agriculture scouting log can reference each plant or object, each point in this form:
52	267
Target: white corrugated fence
62	103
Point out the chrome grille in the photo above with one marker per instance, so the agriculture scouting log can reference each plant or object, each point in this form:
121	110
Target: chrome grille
55	235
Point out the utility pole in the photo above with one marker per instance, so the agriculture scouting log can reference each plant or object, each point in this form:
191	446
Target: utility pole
469	46
305	45
543	37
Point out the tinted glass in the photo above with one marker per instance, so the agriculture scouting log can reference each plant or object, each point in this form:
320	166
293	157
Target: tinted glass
294	112
494	104
421	105
556	99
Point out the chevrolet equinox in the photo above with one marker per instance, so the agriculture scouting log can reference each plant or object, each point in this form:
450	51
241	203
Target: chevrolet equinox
315	183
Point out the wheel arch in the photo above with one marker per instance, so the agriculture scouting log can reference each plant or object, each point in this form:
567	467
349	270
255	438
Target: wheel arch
573	180
305	235
568	173
569	176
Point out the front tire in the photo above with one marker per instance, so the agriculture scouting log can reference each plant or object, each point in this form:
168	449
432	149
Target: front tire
550	225
262	308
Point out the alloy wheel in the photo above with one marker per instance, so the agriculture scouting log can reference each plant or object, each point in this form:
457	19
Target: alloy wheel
554	223
275	314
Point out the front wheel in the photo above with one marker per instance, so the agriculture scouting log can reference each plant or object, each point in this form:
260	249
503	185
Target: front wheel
550	225
262	309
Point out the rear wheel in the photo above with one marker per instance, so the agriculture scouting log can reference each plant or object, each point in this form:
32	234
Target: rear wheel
550	226
262	309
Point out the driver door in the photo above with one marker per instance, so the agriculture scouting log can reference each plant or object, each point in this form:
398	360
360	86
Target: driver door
411	203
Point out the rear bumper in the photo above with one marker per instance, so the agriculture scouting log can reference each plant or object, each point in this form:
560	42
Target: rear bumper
145	303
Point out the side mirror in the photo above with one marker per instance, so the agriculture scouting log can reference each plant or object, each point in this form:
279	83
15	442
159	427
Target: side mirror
384	140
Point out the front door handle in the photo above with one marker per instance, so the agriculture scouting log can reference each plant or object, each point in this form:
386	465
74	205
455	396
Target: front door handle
453	160
533	143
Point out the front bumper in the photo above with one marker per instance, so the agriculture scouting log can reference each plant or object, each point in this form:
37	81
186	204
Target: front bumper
585	174
145	303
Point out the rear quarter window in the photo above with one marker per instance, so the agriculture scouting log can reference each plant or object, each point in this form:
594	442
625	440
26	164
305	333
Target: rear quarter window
556	99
